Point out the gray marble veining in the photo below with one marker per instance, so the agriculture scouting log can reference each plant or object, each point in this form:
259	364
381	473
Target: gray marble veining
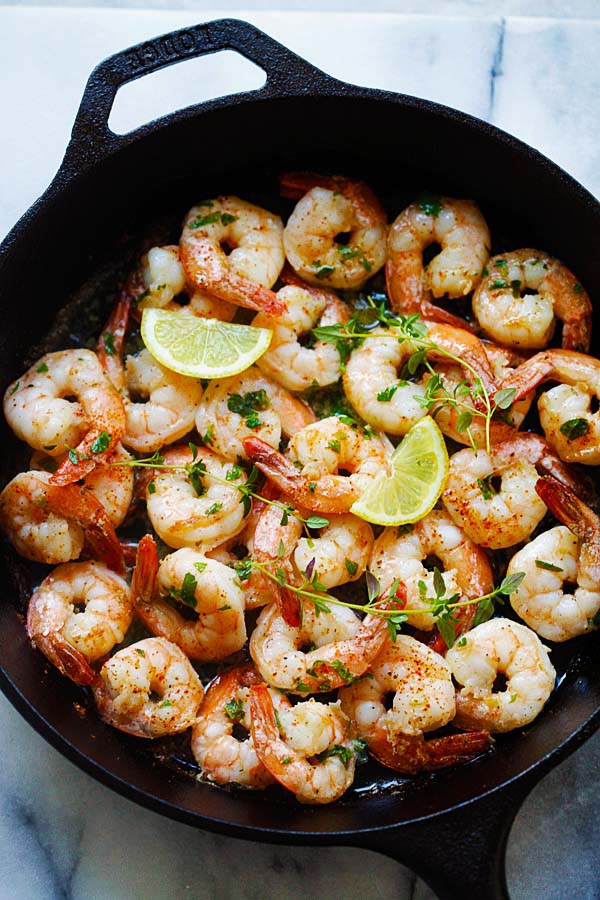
62	835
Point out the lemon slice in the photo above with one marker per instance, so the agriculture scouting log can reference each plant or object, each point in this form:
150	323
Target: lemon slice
419	471
202	348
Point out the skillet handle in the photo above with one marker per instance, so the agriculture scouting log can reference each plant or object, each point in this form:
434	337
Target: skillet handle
461	853
286	73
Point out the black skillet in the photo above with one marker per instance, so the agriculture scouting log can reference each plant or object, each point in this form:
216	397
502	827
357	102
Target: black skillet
79	238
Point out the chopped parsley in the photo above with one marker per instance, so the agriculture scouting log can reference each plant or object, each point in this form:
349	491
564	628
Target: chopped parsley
387	393
247	406
101	443
185	594
486	487
42	368
109	343
351	566
322	271
430	204
211	219
542	564
234	710
574	428
344	753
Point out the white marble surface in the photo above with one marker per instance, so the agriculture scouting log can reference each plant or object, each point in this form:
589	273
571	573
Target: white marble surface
62	835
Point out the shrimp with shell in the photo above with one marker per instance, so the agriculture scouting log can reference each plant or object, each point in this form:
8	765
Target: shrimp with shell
500	647
65	403
559	597
253	236
165	403
420	682
308	748
77	615
312	471
521	296
148	689
205	586
463	235
329	206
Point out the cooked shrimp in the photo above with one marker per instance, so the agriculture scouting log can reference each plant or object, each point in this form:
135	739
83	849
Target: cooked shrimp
373	377
423	700
250	403
163	276
40	410
161	279
329	206
148	689
559	557
50	523
502	360
183	518
287	361
204	585
460	229
499	515
223	757
254	238
344	648
500	647
398	553
338	555
570	425
310	751
111	484
521	296
341	551
166	402
309	474
72	637
373	385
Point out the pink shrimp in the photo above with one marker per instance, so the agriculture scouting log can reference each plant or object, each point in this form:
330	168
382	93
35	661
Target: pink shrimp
244	276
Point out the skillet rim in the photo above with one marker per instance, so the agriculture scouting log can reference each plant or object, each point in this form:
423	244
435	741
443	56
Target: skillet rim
77	163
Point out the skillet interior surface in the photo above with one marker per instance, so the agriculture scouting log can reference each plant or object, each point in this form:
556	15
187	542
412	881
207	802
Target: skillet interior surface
77	245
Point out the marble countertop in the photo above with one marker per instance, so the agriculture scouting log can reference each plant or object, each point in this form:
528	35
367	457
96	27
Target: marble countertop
62	835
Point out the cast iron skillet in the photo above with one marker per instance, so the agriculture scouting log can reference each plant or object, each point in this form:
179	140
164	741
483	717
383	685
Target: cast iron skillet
81	235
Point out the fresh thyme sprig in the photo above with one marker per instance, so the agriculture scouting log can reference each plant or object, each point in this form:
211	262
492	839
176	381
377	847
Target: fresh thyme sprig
196	471
441	606
413	331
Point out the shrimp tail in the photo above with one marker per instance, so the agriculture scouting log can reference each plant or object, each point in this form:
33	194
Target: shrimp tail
143	583
534	449
265	733
290	607
568	508
111	342
410	754
69	661
416	301
291	483
81	506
